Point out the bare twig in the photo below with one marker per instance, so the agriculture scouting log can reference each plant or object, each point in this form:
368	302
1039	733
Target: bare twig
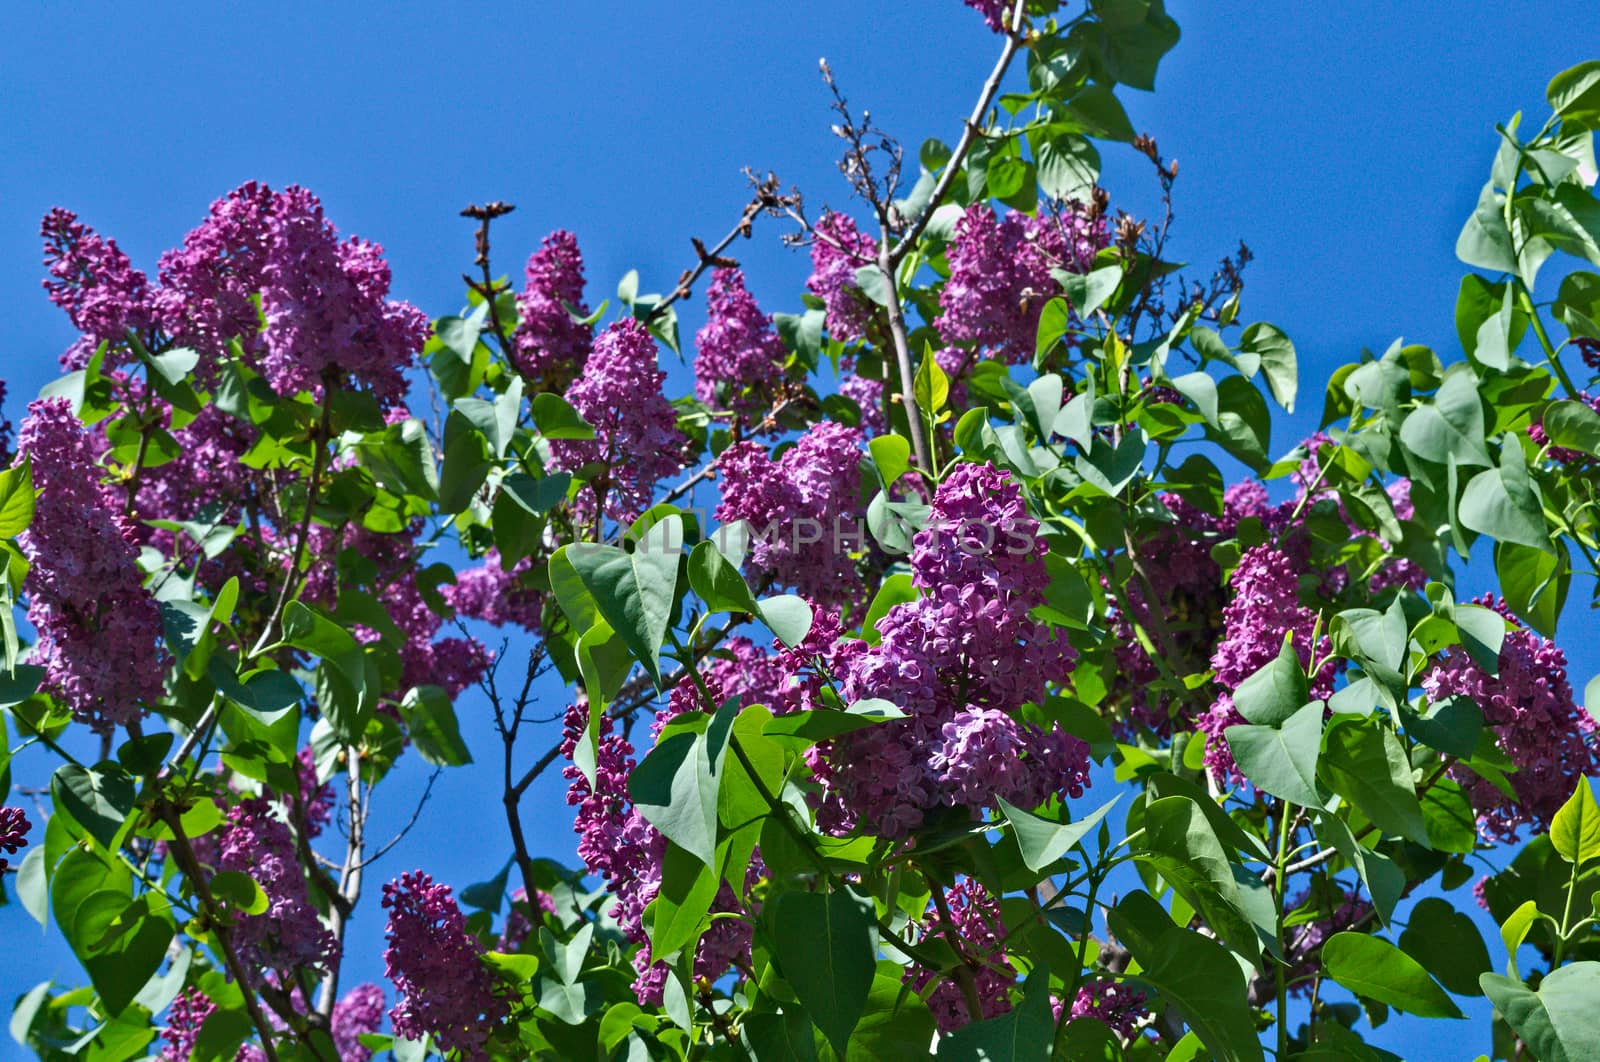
969	134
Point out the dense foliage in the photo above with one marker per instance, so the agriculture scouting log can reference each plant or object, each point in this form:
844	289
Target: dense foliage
1019	699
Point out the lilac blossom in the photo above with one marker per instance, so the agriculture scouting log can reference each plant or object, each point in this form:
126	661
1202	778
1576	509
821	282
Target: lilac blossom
518	925
1264	609
868	394
636	428
324	306
975	921
495	594
549	345
14	827
184	1019
994	12
837	251
99	632
289	934
803	510
739	361
958	661
1118	1006
98	288
359	1012
1000	275
1530	709
436	966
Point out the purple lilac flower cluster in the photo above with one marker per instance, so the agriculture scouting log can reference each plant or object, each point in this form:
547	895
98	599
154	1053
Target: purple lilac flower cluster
550	344
184	1018
1000	275
289	934
960	660
636	429
1118	1006
1264	609
518	925
837	251
14	827
803	509
92	280
739	361
325	310
495	594
99	632
434	964
357	1012
452	663
615	841
994	12
1536	722
867	393
975	921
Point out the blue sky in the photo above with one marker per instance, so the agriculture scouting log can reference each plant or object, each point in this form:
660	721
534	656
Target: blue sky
1344	143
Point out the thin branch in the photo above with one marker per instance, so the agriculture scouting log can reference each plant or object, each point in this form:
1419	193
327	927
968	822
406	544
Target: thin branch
970	132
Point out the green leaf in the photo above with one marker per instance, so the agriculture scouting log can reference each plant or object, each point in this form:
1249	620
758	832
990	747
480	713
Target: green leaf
135	944
1492	507
1275	691
1575	92
1385	882
874	285
467	461
1282	760
678	914
1087	292
1194	973
1161	785
16	499
1452	426
239	891
782	1037
634	590
1573	425
895	1024
431	721
825	945
1043	842
1068	166
675	789
1278	362
315	632
1514	930
824	723
931	386
556	419
1558	1023
1534	582
1235	903
1372	967
1575	830
717	582
787	616
1447	942
1245	425
891	456
1484	241
99	800
1363	762
1025	1034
